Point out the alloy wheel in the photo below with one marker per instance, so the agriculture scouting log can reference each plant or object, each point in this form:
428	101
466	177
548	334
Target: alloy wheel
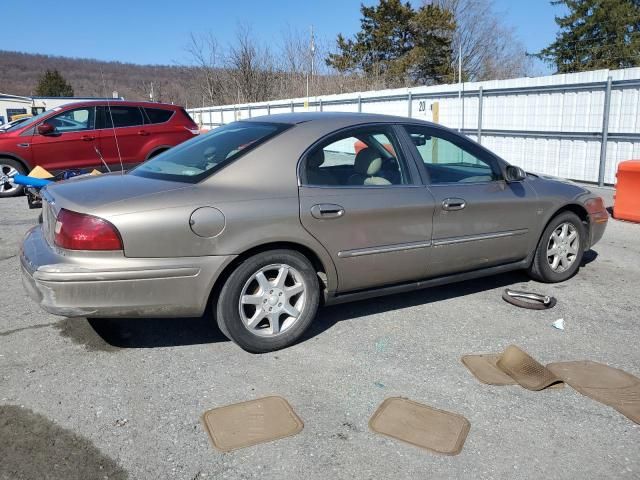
272	300
563	247
7	172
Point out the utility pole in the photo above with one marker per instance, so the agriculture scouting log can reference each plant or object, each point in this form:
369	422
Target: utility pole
312	51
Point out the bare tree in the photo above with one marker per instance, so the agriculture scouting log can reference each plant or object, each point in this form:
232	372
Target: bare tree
490	49
250	68
205	54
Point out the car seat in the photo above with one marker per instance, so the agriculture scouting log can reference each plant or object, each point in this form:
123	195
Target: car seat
316	175
367	166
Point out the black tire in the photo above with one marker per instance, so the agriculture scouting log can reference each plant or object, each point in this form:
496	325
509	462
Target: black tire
540	269
228	313
6	164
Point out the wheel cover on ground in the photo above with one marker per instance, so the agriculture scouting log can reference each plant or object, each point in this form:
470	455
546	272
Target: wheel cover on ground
272	300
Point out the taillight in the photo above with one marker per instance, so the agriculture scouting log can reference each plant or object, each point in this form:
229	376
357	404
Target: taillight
193	131
77	231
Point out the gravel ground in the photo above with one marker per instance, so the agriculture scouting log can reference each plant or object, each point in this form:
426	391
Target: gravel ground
123	398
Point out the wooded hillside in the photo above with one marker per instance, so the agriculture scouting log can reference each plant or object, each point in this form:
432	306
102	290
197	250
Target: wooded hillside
19	74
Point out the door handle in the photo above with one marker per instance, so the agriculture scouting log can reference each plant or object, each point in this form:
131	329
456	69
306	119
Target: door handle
87	138
327	210
144	133
452	204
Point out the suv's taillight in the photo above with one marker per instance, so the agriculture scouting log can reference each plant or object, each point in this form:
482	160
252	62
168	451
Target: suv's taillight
193	131
77	231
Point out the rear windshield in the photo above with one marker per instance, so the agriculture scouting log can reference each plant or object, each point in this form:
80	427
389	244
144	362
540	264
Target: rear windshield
196	159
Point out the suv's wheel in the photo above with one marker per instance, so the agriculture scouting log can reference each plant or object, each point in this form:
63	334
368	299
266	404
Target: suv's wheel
268	301
10	168
559	252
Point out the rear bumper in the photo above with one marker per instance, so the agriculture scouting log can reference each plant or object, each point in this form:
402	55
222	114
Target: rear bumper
116	286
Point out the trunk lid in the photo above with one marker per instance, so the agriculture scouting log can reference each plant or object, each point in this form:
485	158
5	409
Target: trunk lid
92	194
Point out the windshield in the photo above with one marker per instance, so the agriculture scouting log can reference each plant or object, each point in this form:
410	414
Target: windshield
29	121
200	157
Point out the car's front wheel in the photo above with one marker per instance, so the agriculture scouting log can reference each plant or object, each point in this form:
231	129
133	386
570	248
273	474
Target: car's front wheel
269	300
560	250
8	169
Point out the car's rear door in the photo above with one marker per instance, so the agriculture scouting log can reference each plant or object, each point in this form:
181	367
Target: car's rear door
123	135
367	207
480	220
165	126
71	145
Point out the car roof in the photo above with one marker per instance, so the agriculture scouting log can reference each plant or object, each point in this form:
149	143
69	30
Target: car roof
330	117
118	102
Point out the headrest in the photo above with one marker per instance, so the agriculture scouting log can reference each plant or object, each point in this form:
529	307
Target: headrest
315	159
368	162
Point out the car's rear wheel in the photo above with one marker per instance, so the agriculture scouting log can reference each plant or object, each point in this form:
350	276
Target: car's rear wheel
268	301
560	250
9	168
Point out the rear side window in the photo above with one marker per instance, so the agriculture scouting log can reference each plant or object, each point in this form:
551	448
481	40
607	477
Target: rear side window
122	117
202	156
158	115
366	156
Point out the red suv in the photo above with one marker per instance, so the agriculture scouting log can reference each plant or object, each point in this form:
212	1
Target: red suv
90	134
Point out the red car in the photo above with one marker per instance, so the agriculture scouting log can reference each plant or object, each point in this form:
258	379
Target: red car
90	134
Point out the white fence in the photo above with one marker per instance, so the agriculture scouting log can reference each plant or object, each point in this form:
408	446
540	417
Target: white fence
577	126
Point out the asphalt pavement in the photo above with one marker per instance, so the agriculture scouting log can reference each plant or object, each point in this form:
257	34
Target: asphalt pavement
123	398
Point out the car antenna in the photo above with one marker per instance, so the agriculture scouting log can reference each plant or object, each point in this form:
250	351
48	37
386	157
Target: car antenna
101	158
115	135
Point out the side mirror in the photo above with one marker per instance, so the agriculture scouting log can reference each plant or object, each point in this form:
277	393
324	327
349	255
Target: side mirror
515	174
46	129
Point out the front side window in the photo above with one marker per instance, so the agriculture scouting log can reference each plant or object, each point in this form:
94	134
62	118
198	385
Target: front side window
367	156
73	120
202	156
449	162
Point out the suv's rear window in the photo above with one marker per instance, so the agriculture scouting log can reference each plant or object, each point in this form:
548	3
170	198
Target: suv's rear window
158	115
201	156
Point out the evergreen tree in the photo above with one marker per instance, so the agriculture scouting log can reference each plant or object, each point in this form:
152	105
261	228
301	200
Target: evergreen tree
595	34
52	84
398	44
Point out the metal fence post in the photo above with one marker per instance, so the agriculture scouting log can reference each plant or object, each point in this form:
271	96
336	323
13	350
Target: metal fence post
480	115
221	117
320	104
249	110
291	105
359	104
605	133
409	104
268	109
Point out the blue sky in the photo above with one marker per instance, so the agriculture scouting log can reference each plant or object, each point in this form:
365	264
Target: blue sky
142	31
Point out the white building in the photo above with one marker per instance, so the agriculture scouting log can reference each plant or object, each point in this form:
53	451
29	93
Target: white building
11	105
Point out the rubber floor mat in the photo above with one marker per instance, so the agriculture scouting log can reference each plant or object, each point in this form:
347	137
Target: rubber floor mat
484	368
249	423
525	370
420	425
605	384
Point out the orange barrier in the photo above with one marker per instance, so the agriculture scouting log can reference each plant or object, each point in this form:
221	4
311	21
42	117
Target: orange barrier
626	205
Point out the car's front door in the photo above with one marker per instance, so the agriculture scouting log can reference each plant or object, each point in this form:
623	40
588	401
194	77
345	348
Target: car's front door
480	220
364	202
72	143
